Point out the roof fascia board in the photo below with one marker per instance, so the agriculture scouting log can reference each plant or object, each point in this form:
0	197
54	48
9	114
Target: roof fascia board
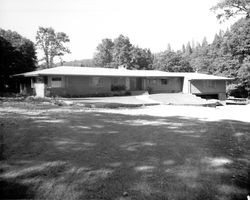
211	79
101	75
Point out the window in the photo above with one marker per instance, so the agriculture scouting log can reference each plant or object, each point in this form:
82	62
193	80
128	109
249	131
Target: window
97	81
56	82
164	81
56	79
152	81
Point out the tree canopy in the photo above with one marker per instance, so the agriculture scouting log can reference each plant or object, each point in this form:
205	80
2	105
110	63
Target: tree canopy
17	56
105	53
172	62
120	51
141	58
226	9
52	44
228	55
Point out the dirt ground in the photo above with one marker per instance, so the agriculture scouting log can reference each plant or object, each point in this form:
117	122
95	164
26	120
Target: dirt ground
157	152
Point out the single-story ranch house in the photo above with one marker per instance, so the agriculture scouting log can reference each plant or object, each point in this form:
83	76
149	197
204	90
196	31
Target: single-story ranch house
68	81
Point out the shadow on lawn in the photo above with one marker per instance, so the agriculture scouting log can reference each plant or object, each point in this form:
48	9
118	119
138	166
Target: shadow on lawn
14	190
88	155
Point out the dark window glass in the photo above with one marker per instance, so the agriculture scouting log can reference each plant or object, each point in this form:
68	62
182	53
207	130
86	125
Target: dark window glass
164	81
56	79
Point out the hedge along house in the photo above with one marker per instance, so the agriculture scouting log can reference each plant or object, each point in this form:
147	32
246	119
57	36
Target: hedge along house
67	81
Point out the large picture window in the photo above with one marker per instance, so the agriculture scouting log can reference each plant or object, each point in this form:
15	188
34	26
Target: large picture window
152	81
56	82
164	81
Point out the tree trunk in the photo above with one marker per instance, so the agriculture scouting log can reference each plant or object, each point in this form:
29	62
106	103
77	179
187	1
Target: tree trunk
51	62
47	60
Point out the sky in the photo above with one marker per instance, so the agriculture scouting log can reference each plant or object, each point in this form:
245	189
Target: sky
149	24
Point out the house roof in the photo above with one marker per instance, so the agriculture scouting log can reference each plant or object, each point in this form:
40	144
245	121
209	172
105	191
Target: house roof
98	71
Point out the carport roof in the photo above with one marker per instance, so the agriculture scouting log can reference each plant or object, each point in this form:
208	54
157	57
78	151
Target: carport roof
199	76
112	72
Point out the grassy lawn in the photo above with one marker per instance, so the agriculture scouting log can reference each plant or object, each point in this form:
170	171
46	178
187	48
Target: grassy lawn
68	153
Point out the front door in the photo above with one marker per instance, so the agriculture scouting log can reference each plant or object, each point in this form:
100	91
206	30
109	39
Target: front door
138	83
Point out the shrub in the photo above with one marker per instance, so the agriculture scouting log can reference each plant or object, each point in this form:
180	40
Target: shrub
118	87
150	90
237	91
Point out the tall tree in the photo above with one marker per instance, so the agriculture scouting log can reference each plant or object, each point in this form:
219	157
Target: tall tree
169	47
228	55
171	62
104	56
204	42
238	42
239	39
141	58
183	48
17	56
244	75
189	49
122	51
52	44
226	9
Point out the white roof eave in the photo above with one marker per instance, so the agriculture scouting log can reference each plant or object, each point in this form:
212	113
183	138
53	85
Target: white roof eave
111	72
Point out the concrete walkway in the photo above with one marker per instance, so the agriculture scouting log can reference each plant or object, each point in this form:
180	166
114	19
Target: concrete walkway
140	100
116	99
147	99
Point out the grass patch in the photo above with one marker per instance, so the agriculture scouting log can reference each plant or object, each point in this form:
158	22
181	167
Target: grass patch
82	154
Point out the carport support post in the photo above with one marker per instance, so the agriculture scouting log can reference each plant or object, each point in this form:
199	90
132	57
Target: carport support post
222	96
186	86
